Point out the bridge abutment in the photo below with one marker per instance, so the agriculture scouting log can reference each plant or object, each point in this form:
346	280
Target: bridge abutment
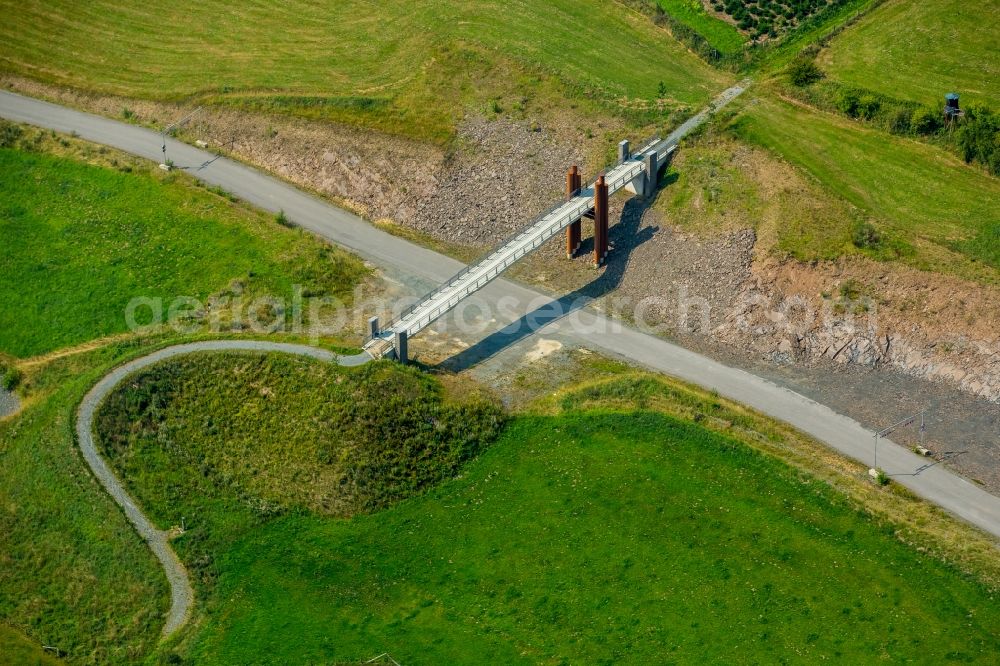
399	342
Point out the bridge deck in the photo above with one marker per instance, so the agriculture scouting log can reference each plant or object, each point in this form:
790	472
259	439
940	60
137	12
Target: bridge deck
544	227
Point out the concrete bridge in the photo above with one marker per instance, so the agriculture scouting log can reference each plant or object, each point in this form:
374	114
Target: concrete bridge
637	172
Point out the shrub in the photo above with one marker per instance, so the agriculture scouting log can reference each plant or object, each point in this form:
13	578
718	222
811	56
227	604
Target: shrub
865	236
847	102
851	290
925	121
900	121
282	219
9	134
868	106
804	72
12	379
978	137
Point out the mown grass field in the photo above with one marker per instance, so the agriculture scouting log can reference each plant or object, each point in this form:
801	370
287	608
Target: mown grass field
85	231
401	67
934	211
722	184
588	532
918	50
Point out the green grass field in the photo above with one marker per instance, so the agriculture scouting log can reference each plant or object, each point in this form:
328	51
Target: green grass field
401	67
84	230
73	572
585	535
721	35
918	50
935	212
81	240
16	649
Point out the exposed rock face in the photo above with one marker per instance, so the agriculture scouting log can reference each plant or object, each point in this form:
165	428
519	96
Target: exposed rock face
856	312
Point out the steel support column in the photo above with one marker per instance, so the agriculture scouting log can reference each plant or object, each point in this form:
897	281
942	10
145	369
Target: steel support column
573	233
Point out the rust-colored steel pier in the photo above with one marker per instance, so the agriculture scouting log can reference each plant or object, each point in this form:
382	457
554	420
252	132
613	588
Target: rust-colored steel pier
573	234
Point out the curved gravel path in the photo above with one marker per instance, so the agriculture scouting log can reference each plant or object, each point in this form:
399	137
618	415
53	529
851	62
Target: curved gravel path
181	592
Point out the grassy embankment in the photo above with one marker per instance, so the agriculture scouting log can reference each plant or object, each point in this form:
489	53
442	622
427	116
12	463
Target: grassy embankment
602	525
934	211
910	49
402	67
87	229
17	649
930	210
84	230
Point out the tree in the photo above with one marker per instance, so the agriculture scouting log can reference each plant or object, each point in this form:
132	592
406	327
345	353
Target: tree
804	72
978	137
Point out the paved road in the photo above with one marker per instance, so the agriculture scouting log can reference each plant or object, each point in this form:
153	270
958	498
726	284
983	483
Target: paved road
181	593
423	269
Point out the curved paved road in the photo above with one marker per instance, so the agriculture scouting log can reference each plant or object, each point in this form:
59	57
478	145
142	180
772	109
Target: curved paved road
181	593
424	269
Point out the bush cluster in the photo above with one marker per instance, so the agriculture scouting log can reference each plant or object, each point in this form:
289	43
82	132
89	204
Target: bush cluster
277	432
976	135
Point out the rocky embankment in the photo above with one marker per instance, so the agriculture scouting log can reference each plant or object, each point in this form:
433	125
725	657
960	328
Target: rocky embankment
858	312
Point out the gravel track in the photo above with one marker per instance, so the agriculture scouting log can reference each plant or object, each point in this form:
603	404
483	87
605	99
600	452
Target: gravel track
181	592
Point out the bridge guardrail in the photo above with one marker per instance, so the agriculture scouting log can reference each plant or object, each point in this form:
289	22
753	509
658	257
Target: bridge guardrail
526	230
544	233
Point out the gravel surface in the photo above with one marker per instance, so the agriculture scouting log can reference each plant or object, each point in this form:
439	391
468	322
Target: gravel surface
181	592
8	403
506	175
